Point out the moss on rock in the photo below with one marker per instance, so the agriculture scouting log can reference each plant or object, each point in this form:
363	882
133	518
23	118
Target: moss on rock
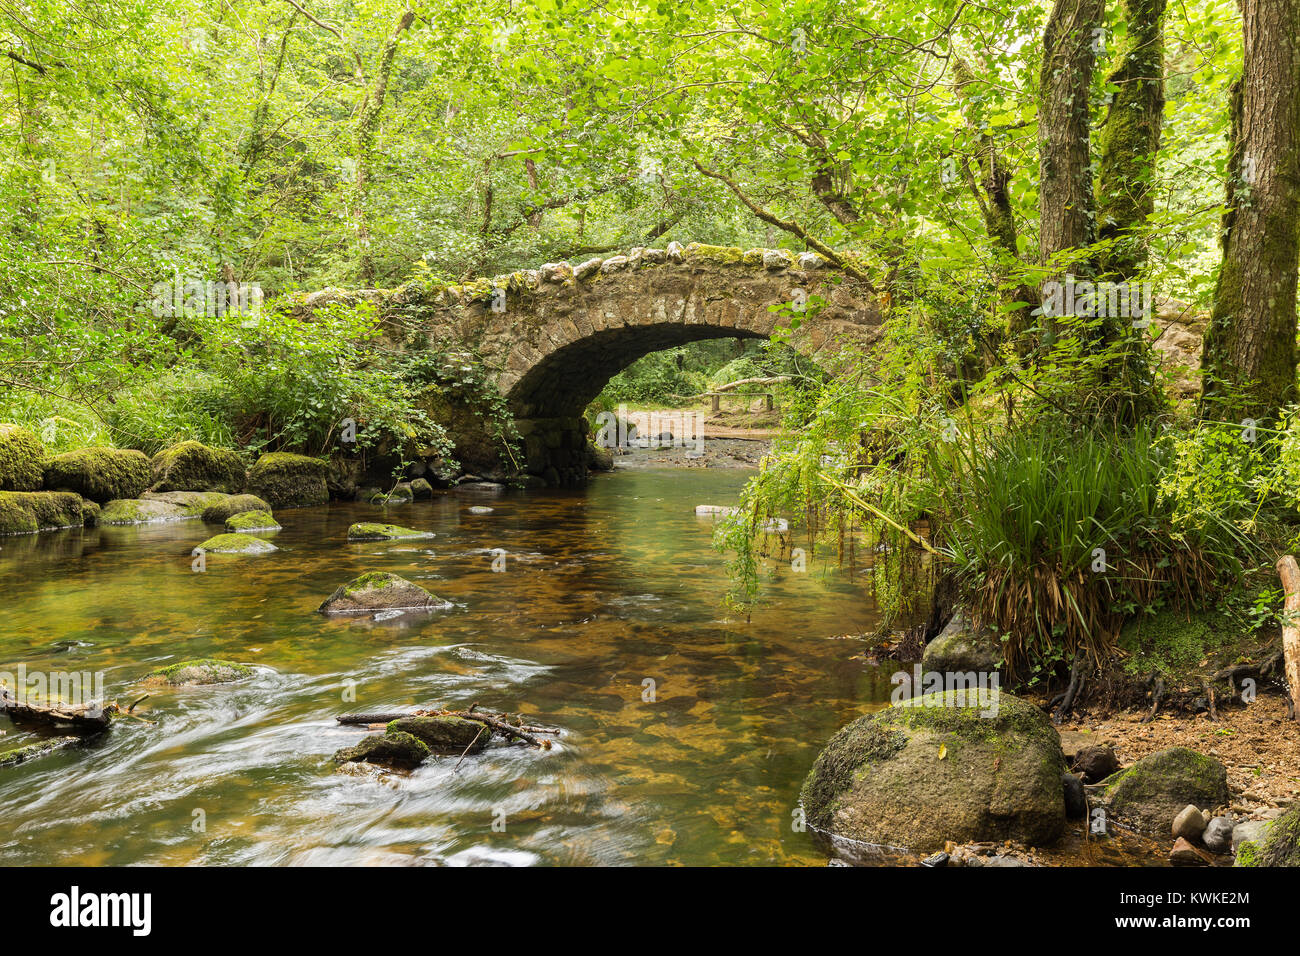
157	508
203	670
289	481
39	748
387	749
22	459
378	591
939	768
223	511
100	474
719	255
193	466
446	735
236	544
248	521
1149	794
373	531
1280	845
26	512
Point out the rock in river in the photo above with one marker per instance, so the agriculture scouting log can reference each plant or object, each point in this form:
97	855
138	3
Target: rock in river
248	521
379	591
26	512
388	749
236	544
926	770
289	481
960	648
1149	794
100	474
193	466
445	734
22	459
224	510
373	531
1279	845
154	508
204	670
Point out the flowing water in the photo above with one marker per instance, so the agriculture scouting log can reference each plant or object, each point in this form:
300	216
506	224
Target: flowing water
602	592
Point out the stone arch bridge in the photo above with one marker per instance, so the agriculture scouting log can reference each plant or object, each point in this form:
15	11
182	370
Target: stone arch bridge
554	336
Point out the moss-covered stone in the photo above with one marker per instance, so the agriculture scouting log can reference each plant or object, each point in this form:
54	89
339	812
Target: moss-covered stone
421	488
378	591
156	508
236	544
599	459
249	521
21	459
928	770
372	531
289	481
223	511
1280	845
718	255
90	513
203	670
445	735
193	466
26	512
388	749
400	495
39	748
962	648
1148	795
100	474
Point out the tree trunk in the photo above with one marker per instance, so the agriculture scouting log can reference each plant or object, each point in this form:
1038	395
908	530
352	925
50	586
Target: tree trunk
1249	356
1290	575
1129	140
367	127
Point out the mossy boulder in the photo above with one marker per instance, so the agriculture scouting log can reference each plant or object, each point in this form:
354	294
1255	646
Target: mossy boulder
289	481
401	494
389	749
598	458
444	734
155	508
378	591
26	512
372	531
961	648
100	474
193	466
421	488
90	513
223	511
22	458
928	770
236	544
1279	846
249	521
203	670
1148	795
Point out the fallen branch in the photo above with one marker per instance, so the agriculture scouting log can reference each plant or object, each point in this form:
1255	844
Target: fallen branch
84	720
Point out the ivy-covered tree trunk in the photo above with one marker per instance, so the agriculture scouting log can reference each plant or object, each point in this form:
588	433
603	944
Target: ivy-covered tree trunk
367	127
1071	40
1129	140
1249	355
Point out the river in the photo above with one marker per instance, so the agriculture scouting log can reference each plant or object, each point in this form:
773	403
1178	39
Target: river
603	591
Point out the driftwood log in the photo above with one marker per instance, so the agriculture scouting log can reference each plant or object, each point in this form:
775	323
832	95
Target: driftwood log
1290	575
83	720
513	728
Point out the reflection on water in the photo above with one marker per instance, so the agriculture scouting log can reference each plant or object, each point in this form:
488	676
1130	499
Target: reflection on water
603	591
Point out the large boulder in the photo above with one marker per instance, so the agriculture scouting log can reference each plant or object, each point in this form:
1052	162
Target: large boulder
1279	845
22	459
289	481
224	510
960	648
941	767
100	474
445	734
379	591
1151	793
193	466
26	512
154	508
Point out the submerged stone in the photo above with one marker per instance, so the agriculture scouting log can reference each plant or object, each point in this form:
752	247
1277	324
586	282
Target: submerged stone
100	474
378	591
252	521
445	734
204	670
289	481
193	466
236	544
373	531
388	749
926	770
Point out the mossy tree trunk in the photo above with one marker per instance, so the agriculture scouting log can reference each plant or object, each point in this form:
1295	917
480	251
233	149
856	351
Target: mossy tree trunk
1129	140
1249	354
